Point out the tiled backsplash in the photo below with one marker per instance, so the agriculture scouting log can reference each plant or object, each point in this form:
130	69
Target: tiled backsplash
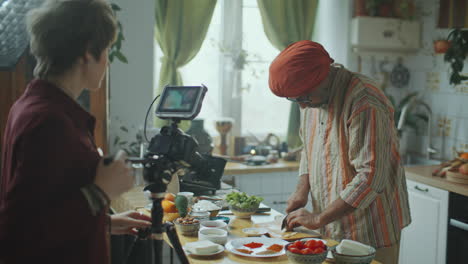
430	77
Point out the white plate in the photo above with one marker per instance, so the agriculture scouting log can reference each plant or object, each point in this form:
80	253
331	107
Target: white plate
220	249
232	245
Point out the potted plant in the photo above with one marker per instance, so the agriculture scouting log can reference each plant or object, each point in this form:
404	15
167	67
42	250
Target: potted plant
441	46
456	54
114	51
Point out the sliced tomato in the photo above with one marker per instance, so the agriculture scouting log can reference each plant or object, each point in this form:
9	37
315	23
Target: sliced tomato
294	249
318	250
298	244
320	243
311	244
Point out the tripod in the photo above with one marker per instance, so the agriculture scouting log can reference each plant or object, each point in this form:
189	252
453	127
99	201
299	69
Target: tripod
158	228
155	232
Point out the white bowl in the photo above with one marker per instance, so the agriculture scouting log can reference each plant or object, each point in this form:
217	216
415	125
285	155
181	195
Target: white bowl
215	235
255	231
213	224
353	259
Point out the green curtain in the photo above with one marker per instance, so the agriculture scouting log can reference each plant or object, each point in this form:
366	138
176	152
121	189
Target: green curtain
181	27
285	22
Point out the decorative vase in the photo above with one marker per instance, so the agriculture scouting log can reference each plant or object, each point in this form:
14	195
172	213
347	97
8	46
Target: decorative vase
197	131
223	126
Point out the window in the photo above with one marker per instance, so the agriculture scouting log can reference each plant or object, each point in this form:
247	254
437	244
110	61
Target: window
260	111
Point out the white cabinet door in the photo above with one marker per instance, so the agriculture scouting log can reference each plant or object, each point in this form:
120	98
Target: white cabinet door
274	187
424	240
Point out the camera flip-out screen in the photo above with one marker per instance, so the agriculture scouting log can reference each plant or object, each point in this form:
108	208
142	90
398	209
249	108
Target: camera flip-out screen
180	102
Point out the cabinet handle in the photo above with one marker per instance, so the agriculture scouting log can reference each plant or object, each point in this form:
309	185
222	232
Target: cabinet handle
422	190
458	224
283	202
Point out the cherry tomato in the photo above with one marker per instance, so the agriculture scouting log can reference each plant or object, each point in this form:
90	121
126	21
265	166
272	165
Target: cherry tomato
298	244
311	244
306	251
294	249
318	250
320	243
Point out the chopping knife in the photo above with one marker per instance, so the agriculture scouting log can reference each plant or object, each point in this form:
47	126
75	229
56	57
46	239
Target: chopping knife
284	223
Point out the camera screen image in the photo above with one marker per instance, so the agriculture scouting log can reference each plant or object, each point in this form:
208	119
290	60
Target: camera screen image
179	99
182	102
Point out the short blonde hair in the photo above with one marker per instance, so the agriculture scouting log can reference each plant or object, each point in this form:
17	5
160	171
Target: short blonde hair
61	31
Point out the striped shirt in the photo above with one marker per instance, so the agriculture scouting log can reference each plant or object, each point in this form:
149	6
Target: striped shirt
351	152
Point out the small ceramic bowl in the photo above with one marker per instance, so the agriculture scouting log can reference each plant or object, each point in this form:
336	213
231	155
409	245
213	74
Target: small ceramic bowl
187	229
353	259
243	213
221	218
213	224
215	235
305	259
255	231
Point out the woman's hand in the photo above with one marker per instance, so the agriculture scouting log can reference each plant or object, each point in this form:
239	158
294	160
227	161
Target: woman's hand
126	223
116	177
302	217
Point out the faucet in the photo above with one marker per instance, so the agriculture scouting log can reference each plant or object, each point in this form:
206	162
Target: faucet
401	122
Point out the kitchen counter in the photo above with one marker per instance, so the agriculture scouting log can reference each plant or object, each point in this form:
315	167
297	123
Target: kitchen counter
423	174
135	199
236	168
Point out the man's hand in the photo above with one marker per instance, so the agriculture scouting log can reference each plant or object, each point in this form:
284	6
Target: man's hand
126	223
299	198
296	200
302	217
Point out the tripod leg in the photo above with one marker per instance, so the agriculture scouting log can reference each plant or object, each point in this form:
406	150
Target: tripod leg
171	252
158	254
174	239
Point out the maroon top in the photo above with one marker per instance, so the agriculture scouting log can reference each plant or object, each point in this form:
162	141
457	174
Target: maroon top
48	155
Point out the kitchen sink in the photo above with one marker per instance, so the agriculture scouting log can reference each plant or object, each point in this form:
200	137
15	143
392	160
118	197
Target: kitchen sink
412	160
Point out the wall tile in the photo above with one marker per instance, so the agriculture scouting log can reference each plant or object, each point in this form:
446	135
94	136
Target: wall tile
444	126
458	105
460	129
438	102
432	82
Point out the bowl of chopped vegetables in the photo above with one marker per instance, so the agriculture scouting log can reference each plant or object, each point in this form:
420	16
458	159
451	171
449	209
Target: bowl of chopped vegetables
243	205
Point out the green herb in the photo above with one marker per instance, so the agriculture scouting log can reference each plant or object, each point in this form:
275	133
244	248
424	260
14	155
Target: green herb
242	200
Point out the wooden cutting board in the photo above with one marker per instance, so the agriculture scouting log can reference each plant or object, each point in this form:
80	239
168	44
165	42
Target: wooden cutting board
297	234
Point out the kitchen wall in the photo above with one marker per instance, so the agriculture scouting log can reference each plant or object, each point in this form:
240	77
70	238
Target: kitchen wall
131	85
429	75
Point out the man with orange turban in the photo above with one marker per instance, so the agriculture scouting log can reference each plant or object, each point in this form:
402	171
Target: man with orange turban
349	163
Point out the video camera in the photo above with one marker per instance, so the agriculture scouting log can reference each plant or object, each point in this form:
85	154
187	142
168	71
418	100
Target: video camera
173	151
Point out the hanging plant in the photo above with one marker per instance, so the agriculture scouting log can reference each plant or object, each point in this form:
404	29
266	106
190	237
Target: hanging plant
456	54
115	51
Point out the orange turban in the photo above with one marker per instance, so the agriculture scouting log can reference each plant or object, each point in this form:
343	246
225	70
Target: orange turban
299	69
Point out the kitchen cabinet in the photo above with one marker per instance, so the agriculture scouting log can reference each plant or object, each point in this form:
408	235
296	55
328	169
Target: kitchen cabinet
274	187
425	239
